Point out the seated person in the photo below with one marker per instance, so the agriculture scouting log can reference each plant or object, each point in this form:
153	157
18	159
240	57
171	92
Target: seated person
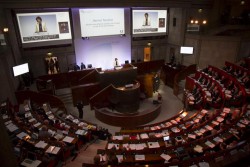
210	72
237	97
243	76
200	79
222	80
58	125
216	76
43	133
230	85
246	82
83	66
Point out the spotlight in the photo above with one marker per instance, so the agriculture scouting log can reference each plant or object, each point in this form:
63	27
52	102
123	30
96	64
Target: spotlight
200	10
242	2
192	21
49	54
149	43
204	22
5	29
196	22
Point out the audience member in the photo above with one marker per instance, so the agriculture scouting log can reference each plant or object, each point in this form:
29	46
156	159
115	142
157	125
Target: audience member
43	133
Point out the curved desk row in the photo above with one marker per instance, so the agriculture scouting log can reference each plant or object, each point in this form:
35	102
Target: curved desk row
122	120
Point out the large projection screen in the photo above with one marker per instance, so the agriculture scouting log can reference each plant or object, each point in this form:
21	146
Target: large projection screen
149	22
44	28
102	22
20	69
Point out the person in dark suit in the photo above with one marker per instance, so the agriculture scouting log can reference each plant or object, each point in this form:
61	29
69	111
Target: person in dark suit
83	66
79	106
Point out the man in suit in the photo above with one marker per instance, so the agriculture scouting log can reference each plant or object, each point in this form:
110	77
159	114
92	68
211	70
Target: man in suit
82	66
40	25
79	106
116	63
147	20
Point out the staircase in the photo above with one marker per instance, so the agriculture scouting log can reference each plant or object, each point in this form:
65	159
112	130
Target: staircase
65	95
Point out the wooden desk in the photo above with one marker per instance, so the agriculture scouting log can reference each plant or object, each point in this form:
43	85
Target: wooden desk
126	99
168	74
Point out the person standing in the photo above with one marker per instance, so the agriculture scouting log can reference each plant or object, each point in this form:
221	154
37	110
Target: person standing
147	20
79	106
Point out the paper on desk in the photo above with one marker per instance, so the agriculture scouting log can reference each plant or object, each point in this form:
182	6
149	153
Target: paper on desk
139	157
204	164
204	111
226	110
153	145
139	146
158	135
223	114
68	139
76	121
51	117
49	112
208	127
215	123
132	146
165	133
8	122
199	116
37	124
175	129
209	144
198	149
173	122
53	150
41	144
5	116
120	158
110	145
165	156
21	135
196	120
218	139
3	104
32	119
144	136
12	127
219	119
80	132
191	136
168	124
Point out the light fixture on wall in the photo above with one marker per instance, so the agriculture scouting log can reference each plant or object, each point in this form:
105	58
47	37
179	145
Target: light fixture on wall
242	2
196	21
200	10
149	44
192	21
204	22
5	30
49	54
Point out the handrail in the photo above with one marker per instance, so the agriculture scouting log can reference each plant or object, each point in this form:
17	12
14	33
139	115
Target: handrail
94	99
